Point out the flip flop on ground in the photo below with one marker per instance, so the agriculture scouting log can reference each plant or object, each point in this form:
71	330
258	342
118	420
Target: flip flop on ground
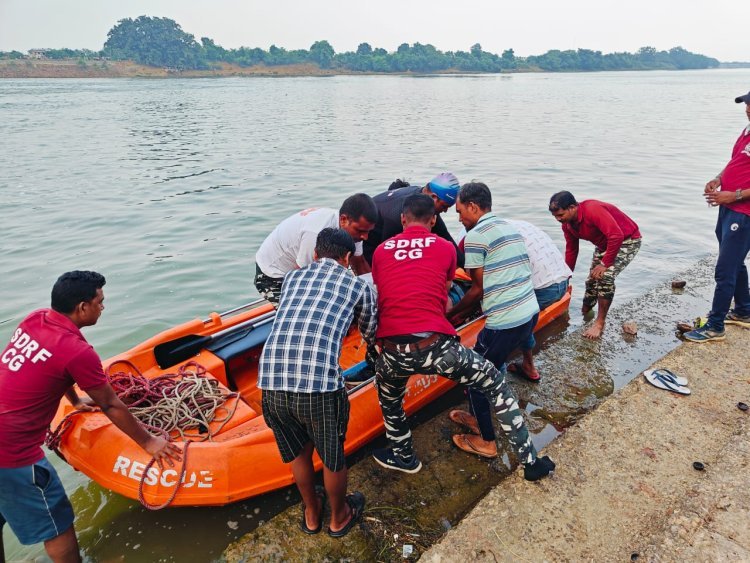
466	443
665	379
516	368
320	491
667	374
356	502
465	419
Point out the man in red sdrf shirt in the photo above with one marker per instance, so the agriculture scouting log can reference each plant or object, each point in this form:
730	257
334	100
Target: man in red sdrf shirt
413	272
46	355
730	190
616	239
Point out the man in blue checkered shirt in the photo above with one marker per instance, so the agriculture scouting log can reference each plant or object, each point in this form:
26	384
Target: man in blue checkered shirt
304	398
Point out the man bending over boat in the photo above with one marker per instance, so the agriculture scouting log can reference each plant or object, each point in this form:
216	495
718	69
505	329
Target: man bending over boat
442	189
290	245
415	337
46	355
498	263
616	239
304	399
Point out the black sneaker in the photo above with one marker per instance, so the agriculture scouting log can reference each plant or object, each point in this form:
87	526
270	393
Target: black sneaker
542	467
389	460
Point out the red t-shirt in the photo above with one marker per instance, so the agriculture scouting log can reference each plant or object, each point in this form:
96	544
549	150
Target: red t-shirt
736	175
604	225
410	271
46	355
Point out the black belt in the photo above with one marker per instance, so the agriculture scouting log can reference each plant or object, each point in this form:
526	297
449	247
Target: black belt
406	348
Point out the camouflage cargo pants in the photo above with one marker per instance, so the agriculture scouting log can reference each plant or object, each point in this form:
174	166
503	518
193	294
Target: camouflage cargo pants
448	358
268	287
604	287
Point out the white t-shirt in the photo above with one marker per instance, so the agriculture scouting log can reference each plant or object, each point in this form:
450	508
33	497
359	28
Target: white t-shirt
547	263
292	242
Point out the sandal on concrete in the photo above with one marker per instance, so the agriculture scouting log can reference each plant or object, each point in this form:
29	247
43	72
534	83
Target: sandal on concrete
463	442
658	378
356	502
464	418
320	491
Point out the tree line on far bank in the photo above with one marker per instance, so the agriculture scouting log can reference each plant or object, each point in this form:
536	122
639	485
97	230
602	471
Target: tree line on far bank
161	42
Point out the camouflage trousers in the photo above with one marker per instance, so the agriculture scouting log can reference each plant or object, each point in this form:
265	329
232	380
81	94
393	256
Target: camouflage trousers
448	358
604	287
268	287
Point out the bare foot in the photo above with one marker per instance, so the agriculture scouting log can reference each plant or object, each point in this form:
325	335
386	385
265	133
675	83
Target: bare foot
594	331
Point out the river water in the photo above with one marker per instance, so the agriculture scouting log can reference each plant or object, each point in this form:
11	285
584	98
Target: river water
168	187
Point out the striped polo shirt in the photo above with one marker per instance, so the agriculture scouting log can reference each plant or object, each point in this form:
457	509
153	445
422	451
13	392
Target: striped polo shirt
495	245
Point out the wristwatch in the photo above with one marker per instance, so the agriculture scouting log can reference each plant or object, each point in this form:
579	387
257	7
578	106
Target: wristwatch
738	195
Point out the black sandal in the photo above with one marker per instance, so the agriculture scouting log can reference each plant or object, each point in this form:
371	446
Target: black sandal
320	491
356	502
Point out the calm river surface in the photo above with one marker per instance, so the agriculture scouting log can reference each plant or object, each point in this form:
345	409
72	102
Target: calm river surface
168	187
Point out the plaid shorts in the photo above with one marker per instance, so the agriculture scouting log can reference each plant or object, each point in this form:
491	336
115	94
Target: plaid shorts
268	287
298	418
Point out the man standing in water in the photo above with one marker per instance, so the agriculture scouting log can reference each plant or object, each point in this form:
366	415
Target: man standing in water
616	239
46	355
414	337
730	190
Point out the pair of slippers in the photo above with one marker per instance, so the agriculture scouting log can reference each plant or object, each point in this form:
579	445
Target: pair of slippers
662	378
464	441
516	368
356	502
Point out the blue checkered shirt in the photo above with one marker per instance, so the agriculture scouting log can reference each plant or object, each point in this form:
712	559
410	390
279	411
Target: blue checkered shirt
317	306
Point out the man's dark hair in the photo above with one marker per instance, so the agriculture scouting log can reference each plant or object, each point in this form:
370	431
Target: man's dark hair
561	200
73	288
333	243
476	193
359	205
398	183
419	207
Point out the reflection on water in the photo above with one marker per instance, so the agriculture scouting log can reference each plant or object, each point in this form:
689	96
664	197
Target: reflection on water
169	186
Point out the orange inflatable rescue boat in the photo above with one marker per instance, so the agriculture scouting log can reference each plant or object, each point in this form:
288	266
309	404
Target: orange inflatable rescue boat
241	459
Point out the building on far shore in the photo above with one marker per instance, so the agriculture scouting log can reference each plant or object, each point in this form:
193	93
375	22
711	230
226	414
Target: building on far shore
38	53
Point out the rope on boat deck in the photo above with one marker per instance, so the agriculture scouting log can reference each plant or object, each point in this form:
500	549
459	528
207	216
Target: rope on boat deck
186	403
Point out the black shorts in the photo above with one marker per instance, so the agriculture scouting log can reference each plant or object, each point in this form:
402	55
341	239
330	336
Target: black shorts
298	418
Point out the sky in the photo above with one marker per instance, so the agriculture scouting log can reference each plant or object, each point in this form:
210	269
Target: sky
716	28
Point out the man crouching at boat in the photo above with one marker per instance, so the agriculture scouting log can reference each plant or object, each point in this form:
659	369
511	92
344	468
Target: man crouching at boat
414	337
290	245
304	399
46	355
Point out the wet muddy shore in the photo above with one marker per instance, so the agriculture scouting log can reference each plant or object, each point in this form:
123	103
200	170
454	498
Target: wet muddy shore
407	515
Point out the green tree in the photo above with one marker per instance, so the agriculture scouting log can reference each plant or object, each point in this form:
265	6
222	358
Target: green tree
154	42
364	50
322	53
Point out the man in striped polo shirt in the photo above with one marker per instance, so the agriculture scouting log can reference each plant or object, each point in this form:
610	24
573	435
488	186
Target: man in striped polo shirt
500	271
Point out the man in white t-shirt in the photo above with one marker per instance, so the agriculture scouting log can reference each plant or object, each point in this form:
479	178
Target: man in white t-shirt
550	276
291	244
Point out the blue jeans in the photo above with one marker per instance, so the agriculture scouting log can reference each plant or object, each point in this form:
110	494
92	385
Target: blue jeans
496	346
733	232
545	296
